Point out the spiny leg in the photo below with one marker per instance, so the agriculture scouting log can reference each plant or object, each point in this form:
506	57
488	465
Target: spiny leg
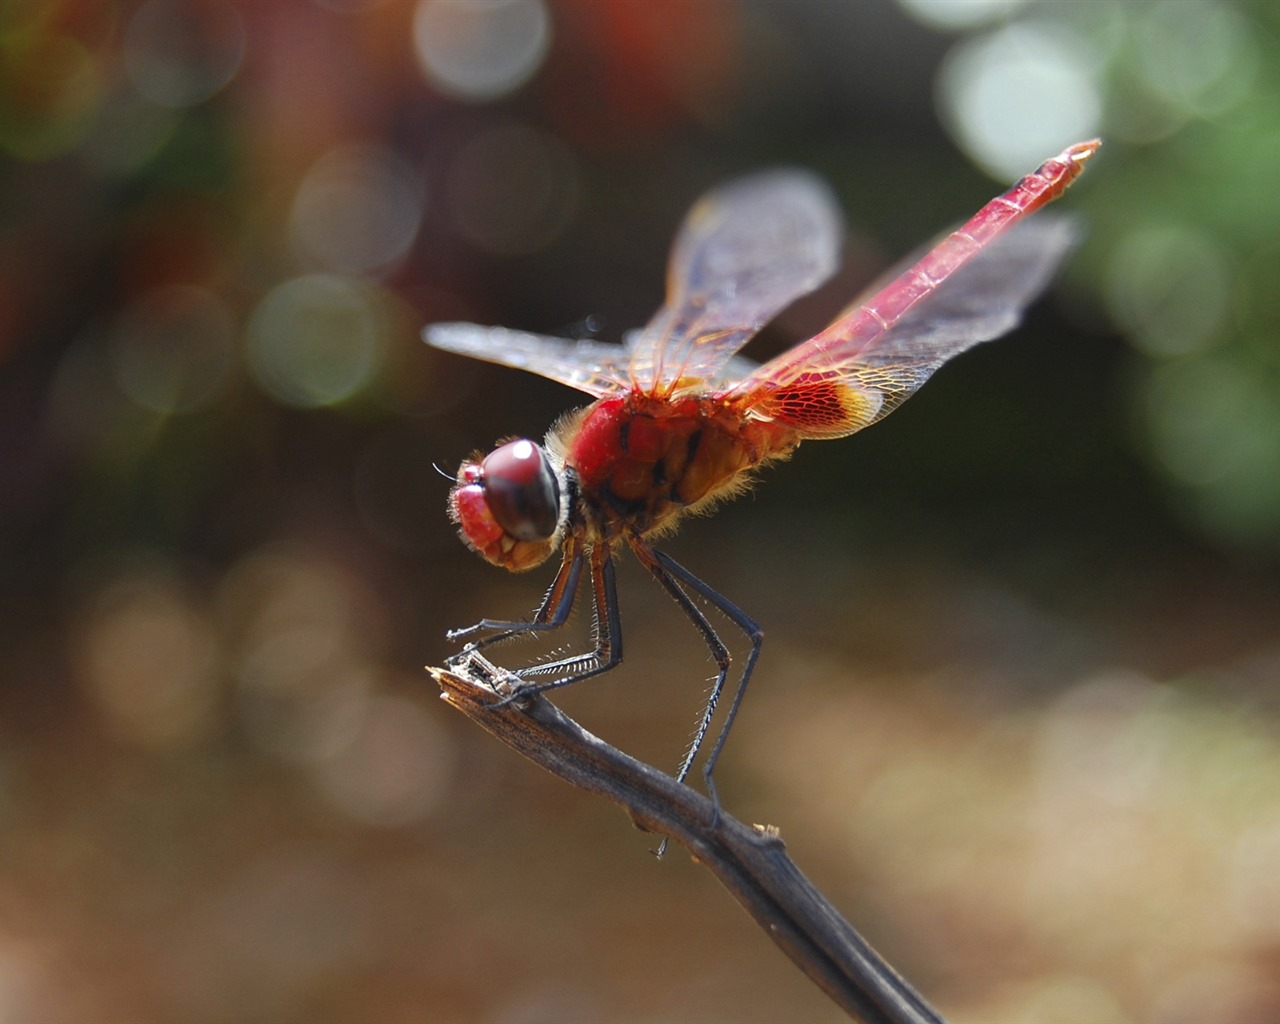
675	578
606	625
749	628
655	563
550	615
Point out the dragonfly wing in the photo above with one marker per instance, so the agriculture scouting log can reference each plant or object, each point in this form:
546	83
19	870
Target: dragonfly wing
830	390
735	368
745	252
982	300
596	367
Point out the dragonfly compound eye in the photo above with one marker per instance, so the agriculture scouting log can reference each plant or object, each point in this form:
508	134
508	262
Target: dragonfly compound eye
521	490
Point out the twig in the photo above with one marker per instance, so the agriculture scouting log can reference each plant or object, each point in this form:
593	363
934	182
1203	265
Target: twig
752	863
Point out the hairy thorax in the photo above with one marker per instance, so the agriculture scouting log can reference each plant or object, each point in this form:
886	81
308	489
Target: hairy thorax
642	461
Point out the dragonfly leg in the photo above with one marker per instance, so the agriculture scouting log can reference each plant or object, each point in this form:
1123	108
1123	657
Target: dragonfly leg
675	578
550	615
606	651
606	626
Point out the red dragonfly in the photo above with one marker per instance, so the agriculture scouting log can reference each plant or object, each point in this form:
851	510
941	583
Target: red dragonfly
680	421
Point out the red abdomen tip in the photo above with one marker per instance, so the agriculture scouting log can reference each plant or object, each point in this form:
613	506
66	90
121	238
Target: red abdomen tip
1081	151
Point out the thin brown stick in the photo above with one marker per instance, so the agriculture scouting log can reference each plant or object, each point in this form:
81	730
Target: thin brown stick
752	863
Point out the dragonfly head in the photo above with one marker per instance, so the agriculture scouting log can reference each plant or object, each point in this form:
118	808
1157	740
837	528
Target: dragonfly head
510	506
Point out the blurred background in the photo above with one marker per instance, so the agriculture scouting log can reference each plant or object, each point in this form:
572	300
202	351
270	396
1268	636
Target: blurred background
1017	712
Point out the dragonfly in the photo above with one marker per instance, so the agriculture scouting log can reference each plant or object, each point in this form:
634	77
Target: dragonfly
680	421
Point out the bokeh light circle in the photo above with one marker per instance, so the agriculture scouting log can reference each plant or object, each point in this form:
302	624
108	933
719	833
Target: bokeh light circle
1198	56
300	633
177	54
147	656
1011	96
396	768
52	88
481	49
358	210
1205	419
317	340
173	348
1170	287
960	14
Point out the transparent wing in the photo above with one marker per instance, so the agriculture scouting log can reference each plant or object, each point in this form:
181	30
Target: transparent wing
596	367
745	252
751	248
834	390
970	287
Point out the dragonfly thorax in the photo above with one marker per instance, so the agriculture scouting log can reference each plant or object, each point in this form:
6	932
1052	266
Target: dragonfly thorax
510	506
642	462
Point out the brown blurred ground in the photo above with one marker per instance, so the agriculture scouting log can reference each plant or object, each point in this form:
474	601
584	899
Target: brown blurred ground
1017	710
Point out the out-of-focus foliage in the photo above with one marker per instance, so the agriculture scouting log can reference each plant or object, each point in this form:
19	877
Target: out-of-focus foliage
1186	227
1018	701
